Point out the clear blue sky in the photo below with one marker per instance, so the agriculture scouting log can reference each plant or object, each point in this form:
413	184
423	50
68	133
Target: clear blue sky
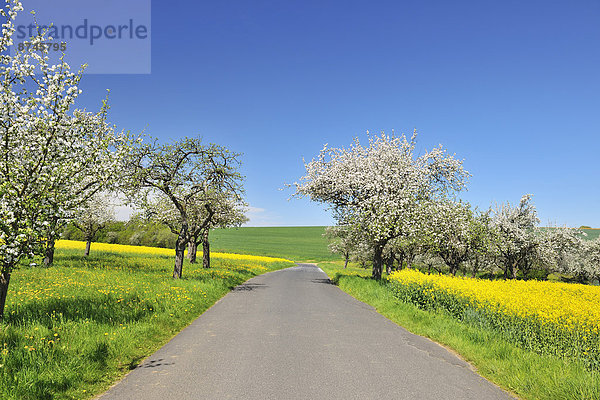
512	87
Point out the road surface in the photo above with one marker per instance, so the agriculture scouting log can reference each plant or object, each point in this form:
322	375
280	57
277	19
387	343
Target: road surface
289	335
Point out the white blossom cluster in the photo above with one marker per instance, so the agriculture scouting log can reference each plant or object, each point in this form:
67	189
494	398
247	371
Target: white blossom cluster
393	207
384	188
94	215
345	240
218	209
516	243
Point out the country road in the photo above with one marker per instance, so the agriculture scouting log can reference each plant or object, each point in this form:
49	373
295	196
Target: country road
290	334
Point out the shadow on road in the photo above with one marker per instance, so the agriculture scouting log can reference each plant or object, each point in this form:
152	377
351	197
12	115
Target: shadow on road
154	363
249	286
325	281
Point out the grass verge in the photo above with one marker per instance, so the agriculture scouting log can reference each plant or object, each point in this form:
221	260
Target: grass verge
525	373
73	329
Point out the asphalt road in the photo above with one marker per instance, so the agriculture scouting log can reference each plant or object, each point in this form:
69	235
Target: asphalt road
290	335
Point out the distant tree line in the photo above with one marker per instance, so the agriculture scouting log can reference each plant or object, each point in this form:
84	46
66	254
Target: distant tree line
136	232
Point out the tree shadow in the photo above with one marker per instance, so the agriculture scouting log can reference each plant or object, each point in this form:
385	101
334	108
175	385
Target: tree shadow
153	363
245	287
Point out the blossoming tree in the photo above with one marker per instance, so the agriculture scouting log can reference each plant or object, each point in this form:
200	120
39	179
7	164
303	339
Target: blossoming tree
92	217
516	239
450	227
51	157
385	184
592	254
176	184
343	239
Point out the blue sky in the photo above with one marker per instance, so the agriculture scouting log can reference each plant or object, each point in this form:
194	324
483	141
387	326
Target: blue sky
511	87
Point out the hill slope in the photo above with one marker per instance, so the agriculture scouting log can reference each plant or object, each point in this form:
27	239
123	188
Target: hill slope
299	243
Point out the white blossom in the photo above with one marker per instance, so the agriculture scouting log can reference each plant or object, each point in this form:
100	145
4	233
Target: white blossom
383	187
52	157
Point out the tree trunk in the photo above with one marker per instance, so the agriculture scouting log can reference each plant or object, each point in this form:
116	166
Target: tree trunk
49	258
389	264
507	268
192	251
453	269
179	254
346	259
88	244
4	281
51	235
510	272
378	261
475	267
205	249
409	260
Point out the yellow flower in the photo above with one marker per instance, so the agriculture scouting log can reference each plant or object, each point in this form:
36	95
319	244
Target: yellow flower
573	306
122	248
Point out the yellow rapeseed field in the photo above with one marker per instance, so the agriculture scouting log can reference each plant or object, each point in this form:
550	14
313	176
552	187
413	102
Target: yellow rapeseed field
121	248
553	317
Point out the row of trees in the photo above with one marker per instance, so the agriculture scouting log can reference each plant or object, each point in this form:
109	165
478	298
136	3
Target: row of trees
188	186
162	199
458	238
395	208
57	164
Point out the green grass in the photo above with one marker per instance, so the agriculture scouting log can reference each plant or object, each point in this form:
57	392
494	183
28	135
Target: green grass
592	233
300	243
73	329
528	374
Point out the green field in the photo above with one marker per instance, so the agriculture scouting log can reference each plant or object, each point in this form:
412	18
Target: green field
592	233
299	243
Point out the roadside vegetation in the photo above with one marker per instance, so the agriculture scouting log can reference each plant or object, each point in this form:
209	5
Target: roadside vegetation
496	356
62	166
72	329
546	317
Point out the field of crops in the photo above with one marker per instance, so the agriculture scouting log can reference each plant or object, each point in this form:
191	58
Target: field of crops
591	234
547	317
157	251
72	329
298	243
